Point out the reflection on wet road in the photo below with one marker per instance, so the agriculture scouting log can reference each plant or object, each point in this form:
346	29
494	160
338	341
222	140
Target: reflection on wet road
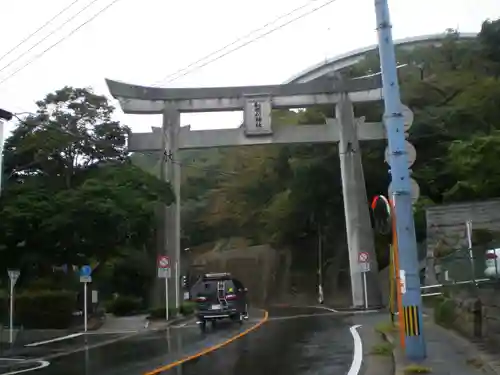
318	344
306	345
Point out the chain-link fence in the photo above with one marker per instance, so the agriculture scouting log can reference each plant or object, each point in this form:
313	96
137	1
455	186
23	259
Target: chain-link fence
466	269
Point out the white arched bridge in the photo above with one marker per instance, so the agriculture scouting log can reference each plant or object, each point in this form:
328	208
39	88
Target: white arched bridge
353	57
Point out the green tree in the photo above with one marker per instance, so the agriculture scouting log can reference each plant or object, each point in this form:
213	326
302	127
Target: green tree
489	39
73	195
71	130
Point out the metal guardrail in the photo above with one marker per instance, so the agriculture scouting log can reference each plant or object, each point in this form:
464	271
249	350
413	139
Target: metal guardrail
426	287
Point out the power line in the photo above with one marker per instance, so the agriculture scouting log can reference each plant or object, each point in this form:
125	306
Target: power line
254	39
168	157
251	33
47	36
36	57
38	30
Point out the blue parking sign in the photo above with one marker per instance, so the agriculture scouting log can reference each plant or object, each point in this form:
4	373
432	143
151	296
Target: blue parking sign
85	271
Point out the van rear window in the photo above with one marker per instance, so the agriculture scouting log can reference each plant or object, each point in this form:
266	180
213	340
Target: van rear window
210	287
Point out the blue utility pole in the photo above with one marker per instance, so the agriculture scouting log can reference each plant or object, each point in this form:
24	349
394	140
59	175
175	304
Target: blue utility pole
405	226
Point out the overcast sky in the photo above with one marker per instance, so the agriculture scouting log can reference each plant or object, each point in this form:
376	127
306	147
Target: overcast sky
145	41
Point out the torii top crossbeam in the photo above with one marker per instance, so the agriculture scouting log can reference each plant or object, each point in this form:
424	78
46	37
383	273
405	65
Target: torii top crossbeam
136	99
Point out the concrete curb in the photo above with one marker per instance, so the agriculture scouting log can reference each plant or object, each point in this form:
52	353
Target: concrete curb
397	359
393	357
373	362
162	325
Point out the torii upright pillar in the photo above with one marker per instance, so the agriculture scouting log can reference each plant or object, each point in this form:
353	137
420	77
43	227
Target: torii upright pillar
357	216
169	242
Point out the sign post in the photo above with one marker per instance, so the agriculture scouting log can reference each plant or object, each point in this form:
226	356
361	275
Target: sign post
85	278
164	272
177	286
364	267
13	276
468	225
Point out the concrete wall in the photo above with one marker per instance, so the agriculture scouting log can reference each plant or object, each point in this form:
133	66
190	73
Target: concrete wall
447	222
477	314
446	232
270	275
255	266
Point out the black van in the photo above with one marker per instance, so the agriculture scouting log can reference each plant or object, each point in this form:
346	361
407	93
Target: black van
219	296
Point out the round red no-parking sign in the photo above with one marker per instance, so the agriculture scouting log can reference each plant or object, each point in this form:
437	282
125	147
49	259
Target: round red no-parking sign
363	257
163	261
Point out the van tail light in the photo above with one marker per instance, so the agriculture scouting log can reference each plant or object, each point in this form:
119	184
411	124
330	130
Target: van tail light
201	299
230	297
491	256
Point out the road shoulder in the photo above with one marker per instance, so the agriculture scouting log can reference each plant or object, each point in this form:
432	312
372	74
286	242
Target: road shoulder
375	362
447	353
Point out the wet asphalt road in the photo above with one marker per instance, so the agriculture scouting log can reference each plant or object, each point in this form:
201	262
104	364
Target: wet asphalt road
291	342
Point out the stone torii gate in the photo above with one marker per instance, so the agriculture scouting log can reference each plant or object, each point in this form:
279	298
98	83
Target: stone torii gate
257	103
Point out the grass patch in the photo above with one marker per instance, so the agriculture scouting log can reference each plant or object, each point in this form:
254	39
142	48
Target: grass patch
383	349
417	369
475	362
385	328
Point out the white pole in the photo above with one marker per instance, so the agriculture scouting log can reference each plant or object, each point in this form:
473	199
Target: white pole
320	267
468	225
177	286
366	291
11	312
85	307
166	298
1	153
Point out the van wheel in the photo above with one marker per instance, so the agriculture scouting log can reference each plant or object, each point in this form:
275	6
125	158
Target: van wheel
203	326
237	318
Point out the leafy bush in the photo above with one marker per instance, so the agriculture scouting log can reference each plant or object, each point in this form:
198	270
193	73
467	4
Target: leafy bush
159	312
187	308
41	309
444	312
432	301
125	305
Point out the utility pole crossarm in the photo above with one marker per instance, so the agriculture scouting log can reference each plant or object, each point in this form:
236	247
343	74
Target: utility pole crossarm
6	115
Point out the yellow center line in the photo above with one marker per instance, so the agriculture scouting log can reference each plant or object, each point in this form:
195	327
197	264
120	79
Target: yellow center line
209	349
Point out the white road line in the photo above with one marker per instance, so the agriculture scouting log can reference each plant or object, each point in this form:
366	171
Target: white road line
72	336
357	357
91	333
362	311
345	311
39	365
325	308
